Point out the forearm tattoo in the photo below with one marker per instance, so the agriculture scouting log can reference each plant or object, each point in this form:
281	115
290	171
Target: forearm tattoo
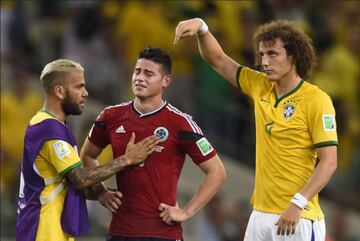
84	177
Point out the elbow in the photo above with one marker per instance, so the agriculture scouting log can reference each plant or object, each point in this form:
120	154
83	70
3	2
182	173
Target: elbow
222	175
333	167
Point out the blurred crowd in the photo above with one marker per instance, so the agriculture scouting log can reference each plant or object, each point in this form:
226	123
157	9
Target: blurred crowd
105	37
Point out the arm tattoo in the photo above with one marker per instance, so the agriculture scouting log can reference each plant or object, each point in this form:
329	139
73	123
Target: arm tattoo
83	177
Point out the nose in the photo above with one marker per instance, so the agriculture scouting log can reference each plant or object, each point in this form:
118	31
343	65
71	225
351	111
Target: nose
140	77
264	60
85	93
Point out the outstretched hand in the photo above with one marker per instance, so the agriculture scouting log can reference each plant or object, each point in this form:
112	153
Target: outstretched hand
137	153
187	28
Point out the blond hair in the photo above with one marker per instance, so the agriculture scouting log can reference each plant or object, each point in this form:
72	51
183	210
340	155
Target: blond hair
55	71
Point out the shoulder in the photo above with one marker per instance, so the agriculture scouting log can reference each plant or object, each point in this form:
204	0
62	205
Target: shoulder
116	109
317	100
183	120
314	94
46	128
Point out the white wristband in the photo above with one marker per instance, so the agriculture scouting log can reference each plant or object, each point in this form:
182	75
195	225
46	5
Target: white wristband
203	29
300	201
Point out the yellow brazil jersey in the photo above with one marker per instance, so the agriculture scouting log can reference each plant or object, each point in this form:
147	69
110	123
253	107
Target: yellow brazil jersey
288	130
55	159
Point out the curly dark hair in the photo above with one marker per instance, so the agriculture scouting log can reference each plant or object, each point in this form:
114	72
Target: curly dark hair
296	43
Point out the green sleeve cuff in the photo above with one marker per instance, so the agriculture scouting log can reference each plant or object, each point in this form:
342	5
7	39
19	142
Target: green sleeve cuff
64	172
326	143
237	76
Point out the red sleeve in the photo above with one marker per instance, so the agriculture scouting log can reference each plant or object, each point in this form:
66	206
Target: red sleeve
98	134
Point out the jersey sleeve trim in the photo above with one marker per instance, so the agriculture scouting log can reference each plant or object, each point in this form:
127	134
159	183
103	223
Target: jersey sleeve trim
64	172
185	135
237	76
326	143
100	124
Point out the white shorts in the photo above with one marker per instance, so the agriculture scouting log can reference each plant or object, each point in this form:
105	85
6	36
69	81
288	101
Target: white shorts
261	227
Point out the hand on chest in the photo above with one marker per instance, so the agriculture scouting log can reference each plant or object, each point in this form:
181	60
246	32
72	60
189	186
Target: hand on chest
120	133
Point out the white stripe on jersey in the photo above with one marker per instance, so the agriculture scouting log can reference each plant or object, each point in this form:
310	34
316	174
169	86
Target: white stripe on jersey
187	117
114	106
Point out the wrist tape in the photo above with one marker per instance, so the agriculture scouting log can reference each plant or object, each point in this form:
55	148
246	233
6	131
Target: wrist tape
300	201
203	29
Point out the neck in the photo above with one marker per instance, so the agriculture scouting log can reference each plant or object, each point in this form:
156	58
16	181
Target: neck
146	106
287	84
54	107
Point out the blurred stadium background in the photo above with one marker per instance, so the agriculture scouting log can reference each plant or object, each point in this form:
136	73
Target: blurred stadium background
105	37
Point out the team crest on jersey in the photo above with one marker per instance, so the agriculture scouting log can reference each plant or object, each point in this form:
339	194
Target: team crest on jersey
162	133
289	109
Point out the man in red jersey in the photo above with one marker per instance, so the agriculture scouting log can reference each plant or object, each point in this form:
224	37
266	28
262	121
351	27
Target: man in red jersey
148	210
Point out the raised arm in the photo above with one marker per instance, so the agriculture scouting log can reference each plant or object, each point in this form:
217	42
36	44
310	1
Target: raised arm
214	177
84	177
209	48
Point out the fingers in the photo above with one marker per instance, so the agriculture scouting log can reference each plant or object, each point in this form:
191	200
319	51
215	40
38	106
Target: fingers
285	227
111	206
165	214
116	202
163	206
132	138
111	200
184	29
178	32
150	143
118	194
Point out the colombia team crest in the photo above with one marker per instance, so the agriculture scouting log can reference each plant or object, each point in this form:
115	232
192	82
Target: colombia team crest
289	109
162	133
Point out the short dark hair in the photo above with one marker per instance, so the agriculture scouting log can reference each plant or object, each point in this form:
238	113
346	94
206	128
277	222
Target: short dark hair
296	43
157	55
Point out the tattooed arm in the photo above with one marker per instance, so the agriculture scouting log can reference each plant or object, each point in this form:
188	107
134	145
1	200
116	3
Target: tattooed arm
84	177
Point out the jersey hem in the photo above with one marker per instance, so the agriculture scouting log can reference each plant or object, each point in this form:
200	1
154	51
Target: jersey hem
303	214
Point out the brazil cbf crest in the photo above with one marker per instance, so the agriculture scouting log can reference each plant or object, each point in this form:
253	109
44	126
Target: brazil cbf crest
162	133
289	109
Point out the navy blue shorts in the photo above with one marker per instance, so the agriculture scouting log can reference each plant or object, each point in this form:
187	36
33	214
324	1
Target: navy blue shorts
117	238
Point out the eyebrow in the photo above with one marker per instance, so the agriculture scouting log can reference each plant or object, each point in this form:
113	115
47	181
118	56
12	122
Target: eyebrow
270	51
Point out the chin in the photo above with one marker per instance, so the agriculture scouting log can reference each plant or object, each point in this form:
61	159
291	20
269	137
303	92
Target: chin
271	78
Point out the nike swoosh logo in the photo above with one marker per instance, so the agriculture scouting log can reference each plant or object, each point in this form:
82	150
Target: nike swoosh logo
263	100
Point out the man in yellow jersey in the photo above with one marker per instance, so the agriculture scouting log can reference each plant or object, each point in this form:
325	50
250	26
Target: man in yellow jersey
51	205
296	140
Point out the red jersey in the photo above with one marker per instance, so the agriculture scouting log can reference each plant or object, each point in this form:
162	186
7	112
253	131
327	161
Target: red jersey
147	185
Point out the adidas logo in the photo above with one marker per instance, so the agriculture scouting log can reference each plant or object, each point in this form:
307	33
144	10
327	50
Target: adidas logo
120	129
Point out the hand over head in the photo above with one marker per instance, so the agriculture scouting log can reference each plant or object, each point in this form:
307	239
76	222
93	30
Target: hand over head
187	28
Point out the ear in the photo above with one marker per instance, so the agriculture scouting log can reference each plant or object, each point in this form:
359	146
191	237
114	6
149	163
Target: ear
59	91
166	81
